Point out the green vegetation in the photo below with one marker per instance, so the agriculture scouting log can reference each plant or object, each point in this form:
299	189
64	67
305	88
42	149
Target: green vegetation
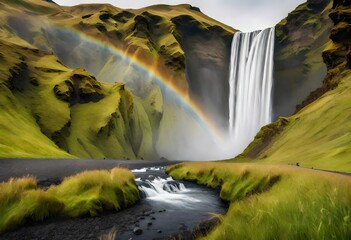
68	113
275	202
87	193
318	136
86	118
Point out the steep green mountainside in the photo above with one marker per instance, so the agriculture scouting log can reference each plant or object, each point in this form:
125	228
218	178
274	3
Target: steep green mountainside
52	107
48	110
319	134
173	40
299	67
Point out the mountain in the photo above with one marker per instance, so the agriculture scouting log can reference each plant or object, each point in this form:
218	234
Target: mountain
111	108
318	135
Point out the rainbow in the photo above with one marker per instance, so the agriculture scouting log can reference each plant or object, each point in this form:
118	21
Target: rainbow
190	105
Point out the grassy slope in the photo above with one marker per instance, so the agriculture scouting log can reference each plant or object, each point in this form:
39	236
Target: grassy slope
92	129
275	202
318	136
97	129
87	193
20	135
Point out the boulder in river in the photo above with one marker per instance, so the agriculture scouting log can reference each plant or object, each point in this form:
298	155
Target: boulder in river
137	231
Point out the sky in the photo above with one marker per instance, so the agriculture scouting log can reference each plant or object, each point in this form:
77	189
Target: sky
245	15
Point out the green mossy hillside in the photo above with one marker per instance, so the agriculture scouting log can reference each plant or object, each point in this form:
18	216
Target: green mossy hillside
49	110
275	202
317	136
76	113
87	193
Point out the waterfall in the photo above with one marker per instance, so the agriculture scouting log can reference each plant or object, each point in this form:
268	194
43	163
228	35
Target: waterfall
250	81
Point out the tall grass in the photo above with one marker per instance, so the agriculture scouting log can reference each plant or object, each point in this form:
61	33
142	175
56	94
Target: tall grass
87	193
275	202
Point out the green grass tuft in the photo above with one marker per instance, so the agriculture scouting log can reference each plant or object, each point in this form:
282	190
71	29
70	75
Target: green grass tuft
91	192
87	193
21	200
275	202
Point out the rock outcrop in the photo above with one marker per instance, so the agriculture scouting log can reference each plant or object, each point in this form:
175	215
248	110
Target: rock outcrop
337	55
207	68
299	67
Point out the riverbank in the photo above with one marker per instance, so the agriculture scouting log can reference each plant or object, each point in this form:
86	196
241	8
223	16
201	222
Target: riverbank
275	201
170	216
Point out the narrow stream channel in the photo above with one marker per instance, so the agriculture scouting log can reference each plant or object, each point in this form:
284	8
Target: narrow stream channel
167	208
175	206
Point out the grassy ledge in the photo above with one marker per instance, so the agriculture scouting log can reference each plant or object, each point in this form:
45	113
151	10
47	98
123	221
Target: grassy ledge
84	194
275	202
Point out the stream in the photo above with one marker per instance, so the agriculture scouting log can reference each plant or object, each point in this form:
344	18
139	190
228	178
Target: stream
167	208
175	206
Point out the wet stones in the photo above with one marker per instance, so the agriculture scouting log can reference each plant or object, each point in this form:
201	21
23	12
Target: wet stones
137	231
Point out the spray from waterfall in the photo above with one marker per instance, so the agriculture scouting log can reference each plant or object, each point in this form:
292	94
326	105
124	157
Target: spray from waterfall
251	82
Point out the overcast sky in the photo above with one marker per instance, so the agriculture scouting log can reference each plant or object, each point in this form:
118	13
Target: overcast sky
245	15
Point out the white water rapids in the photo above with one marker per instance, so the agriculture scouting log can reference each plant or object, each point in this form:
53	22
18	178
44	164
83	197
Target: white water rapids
251	83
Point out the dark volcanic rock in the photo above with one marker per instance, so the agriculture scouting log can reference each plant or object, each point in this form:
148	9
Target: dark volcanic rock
123	16
337	55
80	88
137	231
299	39
341	33
87	16
207	68
19	79
104	17
107	225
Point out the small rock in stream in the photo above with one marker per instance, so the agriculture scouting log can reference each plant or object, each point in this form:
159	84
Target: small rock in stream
137	231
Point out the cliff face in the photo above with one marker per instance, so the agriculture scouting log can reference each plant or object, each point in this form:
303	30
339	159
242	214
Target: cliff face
337	56
299	67
319	134
207	58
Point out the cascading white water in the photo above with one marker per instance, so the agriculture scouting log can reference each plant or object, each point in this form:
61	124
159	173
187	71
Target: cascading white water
160	186
251	82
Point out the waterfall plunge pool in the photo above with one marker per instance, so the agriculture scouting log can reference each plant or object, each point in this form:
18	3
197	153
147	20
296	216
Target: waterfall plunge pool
173	206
